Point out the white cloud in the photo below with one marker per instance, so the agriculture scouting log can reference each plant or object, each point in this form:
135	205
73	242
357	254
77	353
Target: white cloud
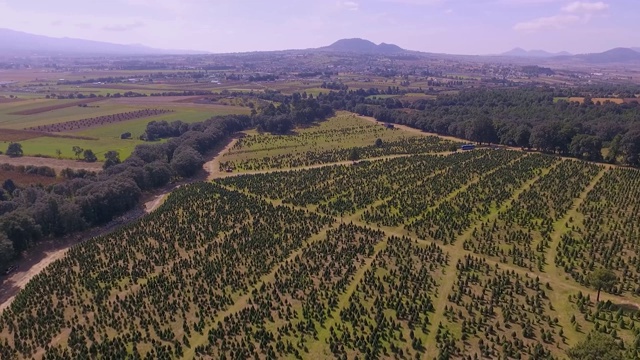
348	5
575	12
585	7
526	2
124	27
549	22
415	2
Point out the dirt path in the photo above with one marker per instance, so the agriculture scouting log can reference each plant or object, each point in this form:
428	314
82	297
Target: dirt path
217	174
243	300
212	167
46	252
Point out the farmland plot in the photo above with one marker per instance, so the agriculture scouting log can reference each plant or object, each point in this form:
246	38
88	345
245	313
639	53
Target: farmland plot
424	256
329	141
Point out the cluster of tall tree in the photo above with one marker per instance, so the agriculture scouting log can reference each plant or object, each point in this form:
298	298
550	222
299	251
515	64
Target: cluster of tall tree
534	118
293	110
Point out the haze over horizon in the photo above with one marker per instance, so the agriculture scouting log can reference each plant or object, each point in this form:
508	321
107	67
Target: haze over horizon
441	26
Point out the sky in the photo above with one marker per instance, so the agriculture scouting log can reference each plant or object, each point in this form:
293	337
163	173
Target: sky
440	26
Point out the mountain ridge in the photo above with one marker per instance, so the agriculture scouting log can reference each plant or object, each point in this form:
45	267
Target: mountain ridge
358	45
18	42
615	55
12	41
520	52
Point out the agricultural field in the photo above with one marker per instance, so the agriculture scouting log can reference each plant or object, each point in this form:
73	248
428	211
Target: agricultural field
444	256
23	179
44	126
325	142
595	100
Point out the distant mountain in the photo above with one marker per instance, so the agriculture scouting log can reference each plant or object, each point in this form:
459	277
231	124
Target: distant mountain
636	49
617	55
363	46
519	52
18	42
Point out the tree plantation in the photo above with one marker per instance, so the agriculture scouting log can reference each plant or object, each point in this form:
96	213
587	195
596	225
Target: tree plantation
482	254
330	141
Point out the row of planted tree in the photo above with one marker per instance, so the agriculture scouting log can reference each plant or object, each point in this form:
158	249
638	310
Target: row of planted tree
29	214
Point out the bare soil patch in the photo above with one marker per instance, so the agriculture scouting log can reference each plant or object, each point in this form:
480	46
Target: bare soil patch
20	135
171	102
46	252
23	180
56	107
57	164
6	100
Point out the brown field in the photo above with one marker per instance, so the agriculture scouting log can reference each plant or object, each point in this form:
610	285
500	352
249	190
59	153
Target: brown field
416	96
189	99
56	107
20	135
595	100
57	164
162	100
5	100
24	180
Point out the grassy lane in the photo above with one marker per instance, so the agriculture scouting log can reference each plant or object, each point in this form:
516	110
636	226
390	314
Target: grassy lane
320	347
561	285
242	301
456	252
561	226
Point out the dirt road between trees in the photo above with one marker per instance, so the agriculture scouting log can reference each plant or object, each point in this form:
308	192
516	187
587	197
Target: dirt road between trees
50	250
46	252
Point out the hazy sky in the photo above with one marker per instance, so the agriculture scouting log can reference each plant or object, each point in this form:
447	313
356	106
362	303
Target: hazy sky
450	26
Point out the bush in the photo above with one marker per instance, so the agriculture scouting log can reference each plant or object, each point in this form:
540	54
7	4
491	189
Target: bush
89	156
14	149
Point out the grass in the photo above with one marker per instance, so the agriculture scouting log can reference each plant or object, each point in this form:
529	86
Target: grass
137	127
382	96
107	136
314	91
48	146
595	100
62	115
345	130
26	104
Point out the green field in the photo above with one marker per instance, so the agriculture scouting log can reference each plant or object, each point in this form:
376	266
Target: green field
382	96
60	115
326	141
107	137
46	146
